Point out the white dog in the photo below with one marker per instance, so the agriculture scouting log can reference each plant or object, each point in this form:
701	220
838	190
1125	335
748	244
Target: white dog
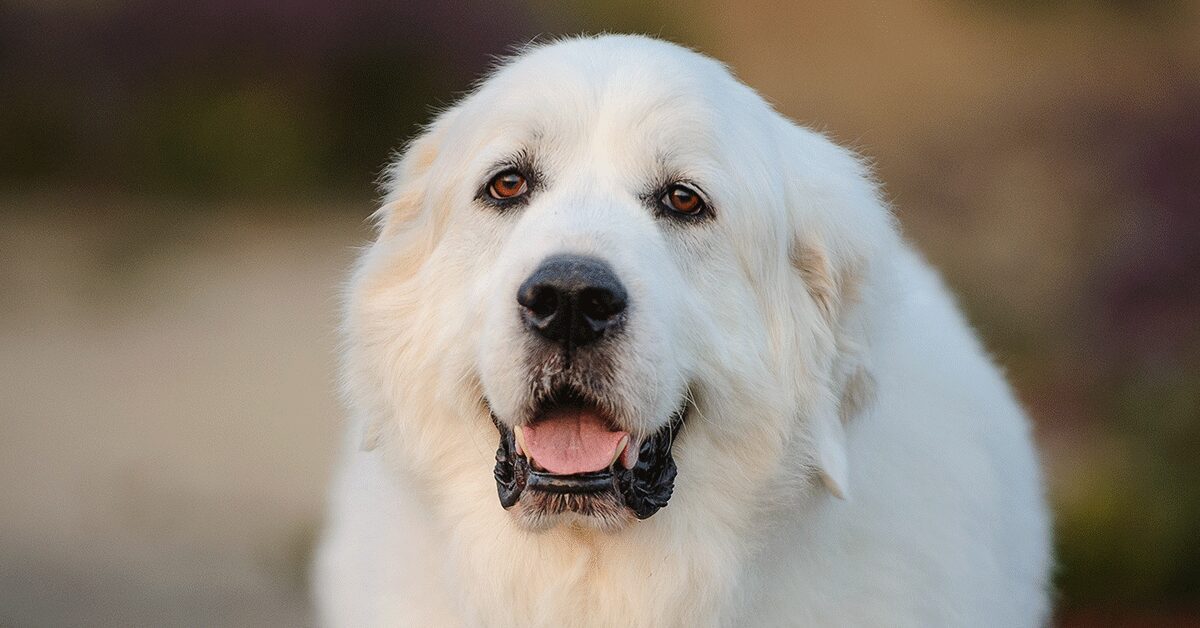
632	349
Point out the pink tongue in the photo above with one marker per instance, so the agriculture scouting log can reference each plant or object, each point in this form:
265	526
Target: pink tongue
571	441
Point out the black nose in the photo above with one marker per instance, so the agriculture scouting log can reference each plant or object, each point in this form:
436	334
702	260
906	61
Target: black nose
572	300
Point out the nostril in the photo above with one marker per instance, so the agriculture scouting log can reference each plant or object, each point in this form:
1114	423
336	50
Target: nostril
600	304
542	301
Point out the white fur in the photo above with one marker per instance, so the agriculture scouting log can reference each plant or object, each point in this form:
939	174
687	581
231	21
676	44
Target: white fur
852	457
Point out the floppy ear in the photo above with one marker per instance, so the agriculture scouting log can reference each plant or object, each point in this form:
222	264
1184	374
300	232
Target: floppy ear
405	179
835	294
407	229
839	229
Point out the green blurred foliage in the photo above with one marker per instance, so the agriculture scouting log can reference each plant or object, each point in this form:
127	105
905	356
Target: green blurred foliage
1129	537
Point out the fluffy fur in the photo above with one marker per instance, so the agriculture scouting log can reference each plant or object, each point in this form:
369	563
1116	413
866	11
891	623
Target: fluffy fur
852	457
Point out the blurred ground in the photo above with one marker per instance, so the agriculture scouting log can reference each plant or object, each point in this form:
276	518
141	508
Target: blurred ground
168	419
167	314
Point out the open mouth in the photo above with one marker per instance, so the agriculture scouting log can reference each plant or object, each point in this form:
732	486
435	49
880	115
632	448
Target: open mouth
572	449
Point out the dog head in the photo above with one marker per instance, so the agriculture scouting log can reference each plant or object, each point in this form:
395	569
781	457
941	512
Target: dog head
623	263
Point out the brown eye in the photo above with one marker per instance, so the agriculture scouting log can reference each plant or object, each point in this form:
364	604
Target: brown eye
682	199
508	185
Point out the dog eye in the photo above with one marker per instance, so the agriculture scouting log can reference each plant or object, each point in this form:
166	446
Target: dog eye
682	199
508	185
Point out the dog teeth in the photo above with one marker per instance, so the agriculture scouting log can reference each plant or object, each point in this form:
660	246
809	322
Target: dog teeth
621	447
520	437
629	456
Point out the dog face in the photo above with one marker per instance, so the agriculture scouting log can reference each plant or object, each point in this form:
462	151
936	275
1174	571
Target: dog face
623	263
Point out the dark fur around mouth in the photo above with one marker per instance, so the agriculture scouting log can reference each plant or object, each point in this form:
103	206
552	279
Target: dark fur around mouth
644	489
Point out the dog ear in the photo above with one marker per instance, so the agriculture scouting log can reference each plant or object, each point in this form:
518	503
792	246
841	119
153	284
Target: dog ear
405	179
407	226
835	294
839	226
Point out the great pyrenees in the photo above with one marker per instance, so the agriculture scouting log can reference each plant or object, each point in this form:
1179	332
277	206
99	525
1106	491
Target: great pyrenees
632	349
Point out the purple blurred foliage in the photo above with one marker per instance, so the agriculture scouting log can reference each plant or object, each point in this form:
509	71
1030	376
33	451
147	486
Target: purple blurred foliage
143	39
1151	291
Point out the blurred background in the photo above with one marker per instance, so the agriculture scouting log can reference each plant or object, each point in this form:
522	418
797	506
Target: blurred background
183	185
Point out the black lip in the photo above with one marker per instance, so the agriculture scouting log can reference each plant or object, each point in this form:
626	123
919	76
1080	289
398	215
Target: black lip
595	482
644	489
